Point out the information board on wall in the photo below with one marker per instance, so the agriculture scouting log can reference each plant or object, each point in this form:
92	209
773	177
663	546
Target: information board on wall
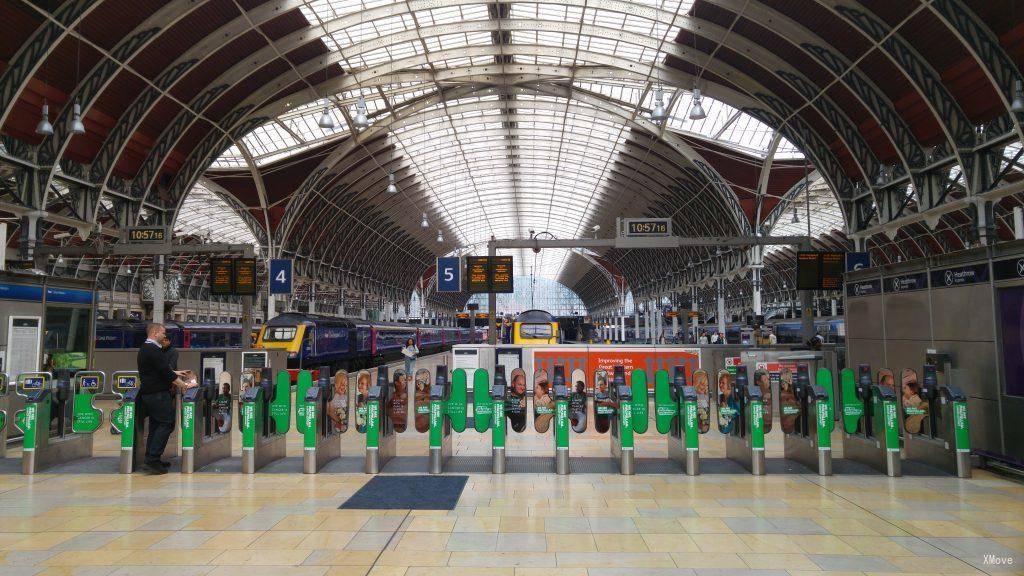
820	270
501	275
478	273
245	276
221	271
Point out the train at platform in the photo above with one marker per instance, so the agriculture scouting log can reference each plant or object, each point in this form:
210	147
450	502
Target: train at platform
535	327
313	340
787	330
119	334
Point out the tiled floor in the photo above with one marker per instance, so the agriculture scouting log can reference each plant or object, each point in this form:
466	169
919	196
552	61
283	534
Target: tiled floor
517	524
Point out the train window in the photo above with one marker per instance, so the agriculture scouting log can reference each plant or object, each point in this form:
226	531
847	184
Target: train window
279	334
535	331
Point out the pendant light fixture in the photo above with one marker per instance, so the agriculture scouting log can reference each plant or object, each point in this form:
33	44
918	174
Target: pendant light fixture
696	110
44	128
361	121
880	180
1017	106
326	121
392	187
77	127
440	237
658	113
796	216
424	223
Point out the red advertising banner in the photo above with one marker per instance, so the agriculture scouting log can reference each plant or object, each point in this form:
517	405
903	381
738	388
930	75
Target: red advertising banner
593	359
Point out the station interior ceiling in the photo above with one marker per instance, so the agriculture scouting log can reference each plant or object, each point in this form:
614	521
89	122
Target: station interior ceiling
893	127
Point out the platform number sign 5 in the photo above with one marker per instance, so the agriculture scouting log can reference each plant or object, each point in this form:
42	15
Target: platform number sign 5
449	274
280	272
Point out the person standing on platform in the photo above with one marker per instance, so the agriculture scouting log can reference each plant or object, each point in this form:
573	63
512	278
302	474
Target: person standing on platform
410	352
156	395
772	338
714	338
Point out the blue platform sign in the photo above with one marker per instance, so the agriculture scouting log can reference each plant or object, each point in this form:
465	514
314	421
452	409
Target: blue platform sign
280	276
449	274
857	261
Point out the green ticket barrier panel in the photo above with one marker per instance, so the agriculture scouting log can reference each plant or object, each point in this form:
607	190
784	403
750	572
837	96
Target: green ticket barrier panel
45	421
5	405
675	406
483	409
86	418
869	410
744	441
206	422
621	395
124	420
265	419
303	382
809	439
321	441
937	431
381	442
560	396
498	394
638	386
447	414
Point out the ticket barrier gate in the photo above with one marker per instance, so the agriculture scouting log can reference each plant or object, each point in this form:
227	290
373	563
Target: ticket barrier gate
675	406
745	442
448	413
944	441
321	441
498	394
202	440
381	442
810	443
265	419
622	422
560	395
870	428
5	406
124	419
48	439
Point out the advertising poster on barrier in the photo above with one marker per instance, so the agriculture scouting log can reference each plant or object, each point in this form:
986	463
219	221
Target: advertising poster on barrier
398	409
789	404
338	408
915	410
728	404
578	401
543	405
763	382
421	400
363	383
592	359
702	385
604	406
774	370
515	401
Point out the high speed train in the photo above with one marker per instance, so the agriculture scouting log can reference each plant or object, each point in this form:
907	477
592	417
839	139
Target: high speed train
119	334
314	340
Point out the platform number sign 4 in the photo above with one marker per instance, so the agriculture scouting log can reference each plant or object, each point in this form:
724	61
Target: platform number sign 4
280	276
449	274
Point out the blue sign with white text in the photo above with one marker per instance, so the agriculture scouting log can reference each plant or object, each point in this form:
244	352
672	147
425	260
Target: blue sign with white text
449	274
280	271
857	261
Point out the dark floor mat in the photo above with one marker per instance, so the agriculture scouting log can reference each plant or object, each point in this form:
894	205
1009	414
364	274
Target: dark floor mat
408	493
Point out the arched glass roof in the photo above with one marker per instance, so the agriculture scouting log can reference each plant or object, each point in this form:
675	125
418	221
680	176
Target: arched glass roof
515	157
206	214
536	293
820	216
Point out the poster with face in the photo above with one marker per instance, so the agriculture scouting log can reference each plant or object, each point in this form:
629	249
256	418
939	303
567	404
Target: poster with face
363	383
604	407
398	409
338	408
543	405
728	406
222	405
886	378
515	401
915	409
421	400
763	382
578	401
702	386
789	404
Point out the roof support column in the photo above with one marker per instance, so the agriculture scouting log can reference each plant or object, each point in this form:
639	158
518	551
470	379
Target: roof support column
720	297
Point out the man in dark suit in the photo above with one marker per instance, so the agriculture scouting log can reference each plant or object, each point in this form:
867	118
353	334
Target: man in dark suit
156	394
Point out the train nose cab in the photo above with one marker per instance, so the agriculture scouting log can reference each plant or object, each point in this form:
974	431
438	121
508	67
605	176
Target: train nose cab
535	327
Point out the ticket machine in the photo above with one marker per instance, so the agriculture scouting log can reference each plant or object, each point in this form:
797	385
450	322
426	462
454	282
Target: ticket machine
321	441
125	420
205	423
265	419
47	420
943	440
745	443
870	426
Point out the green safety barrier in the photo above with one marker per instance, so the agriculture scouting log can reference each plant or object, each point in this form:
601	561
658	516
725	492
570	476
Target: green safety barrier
823	378
756	424
125	385
562	423
691	426
825	409
961	432
625	418
853	407
86	418
281	405
252	417
482	405
455	405
886	420
498	424
303	382
36	388
638	382
666	408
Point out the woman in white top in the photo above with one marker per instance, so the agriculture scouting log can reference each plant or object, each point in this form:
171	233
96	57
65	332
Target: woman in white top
410	352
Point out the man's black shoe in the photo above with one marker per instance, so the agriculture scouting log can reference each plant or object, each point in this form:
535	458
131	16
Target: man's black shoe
165	464
154	469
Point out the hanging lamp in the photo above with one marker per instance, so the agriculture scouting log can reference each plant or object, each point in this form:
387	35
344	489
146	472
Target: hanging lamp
424	223
361	121
658	113
392	187
697	110
44	128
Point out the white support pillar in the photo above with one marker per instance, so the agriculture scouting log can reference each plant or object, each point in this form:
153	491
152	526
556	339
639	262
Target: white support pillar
695	317
720	296
675	320
158	292
636	320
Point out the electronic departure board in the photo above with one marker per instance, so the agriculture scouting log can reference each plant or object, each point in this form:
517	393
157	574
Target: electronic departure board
501	275
820	270
221	272
478	273
245	276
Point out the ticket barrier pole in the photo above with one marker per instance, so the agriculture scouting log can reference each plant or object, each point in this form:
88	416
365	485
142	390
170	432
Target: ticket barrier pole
447	414
125	421
5	405
46	398
676	416
745	443
202	442
622	423
265	419
811	442
945	441
321	441
498	393
561	397
870	430
381	442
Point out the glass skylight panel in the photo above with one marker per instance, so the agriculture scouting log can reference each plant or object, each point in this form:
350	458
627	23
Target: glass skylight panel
204	213
826	215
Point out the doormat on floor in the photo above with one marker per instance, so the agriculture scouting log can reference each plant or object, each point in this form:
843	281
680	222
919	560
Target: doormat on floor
408	493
